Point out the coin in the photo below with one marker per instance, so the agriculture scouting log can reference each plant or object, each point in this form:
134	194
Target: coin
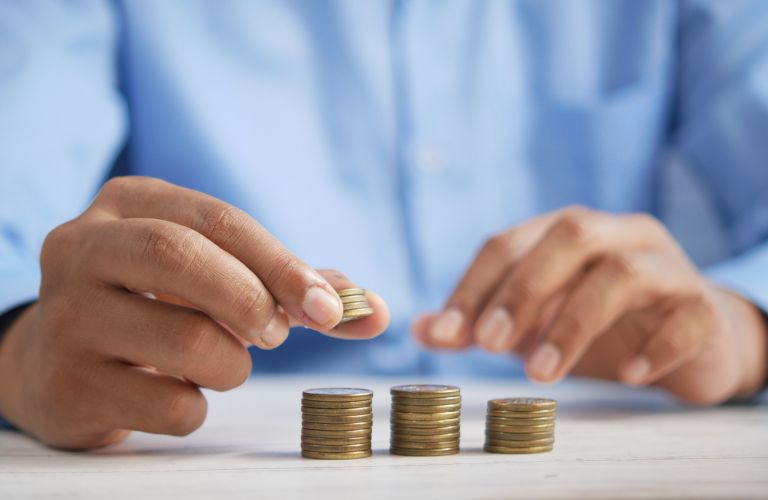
360	304
335	449
305	439
409	401
522	414
325	426
444	415
338	434
518	450
425	431
423	453
308	410
517	436
520	444
351	291
519	428
341	419
338	394
423	445
424	423
426	438
356	314
320	455
424	391
336	405
349	299
425	408
520	421
522	404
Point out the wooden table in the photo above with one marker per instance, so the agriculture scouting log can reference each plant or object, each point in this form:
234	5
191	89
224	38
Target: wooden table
611	442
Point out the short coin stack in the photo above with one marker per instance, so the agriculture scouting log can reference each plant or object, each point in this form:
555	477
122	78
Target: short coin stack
336	423
425	420
520	425
355	304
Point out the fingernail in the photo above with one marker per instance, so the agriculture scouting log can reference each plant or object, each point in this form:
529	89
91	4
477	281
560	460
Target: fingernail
495	329
636	370
446	327
274	334
544	361
321	307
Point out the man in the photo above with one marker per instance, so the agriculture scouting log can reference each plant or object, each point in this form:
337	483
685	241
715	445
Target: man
390	140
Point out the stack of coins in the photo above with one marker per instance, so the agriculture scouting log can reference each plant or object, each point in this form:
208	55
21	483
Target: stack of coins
425	420
336	423
355	304
520	425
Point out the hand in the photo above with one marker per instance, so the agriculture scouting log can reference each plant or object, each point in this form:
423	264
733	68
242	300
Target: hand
98	355
610	296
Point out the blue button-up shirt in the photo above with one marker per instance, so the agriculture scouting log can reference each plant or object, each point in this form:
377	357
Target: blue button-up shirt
390	138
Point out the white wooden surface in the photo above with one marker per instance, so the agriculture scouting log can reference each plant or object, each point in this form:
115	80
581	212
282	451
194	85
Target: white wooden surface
610	443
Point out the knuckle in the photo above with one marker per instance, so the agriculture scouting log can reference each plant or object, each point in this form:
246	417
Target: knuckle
239	367
572	326
175	250
284	269
222	223
522	289
651	224
254	302
185	412
572	227
199	340
619	266
57	243
499	246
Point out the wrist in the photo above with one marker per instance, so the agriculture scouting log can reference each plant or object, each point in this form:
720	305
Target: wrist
11	353
750	332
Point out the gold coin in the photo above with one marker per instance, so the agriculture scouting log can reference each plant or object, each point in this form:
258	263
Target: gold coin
350	291
400	436
336	405
408	424
334	419
424	408
363	410
332	434
519	444
354	298
517	429
522	404
518	436
522	414
520	421
424	431
320	455
409	401
518	450
356	314
351	306
345	394
336	449
334	441
324	426
423	453
421	445
444	415
425	391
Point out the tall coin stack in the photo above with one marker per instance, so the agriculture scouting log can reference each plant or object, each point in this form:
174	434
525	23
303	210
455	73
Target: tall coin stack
355	304
425	420
520	425
336	423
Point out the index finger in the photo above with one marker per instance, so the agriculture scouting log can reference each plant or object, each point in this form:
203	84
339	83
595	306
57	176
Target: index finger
302	292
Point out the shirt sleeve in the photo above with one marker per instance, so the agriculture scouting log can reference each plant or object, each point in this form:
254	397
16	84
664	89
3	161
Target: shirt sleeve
722	128
61	125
